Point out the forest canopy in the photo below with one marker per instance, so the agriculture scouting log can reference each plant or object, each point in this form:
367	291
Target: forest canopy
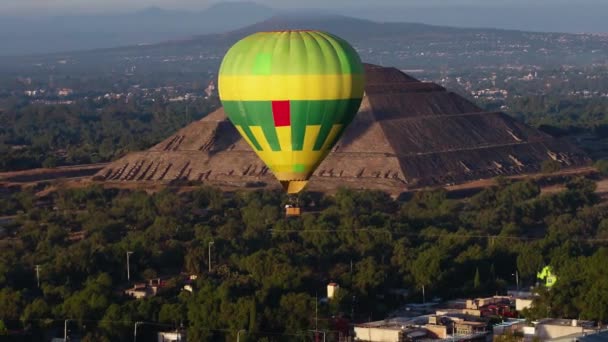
267	271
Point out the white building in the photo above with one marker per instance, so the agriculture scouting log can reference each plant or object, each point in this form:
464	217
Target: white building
332	290
171	336
549	328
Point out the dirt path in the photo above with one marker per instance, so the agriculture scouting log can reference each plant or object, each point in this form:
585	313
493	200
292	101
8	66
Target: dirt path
46	174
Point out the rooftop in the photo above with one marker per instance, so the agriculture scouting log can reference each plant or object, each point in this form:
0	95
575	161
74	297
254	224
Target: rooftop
567	322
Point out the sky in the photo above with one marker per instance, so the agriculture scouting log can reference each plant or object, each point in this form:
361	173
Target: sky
41	7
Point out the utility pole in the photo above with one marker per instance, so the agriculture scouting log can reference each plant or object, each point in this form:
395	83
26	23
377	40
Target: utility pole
135	331
65	329
517	279
210	243
128	269
352	309
423	296
316	334
316	311
38	275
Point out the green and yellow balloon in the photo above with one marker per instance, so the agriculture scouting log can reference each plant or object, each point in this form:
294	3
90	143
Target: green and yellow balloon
291	94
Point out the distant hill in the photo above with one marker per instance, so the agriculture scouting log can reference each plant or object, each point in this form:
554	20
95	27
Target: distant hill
19	36
404	45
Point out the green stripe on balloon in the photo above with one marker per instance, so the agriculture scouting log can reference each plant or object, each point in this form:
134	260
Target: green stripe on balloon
251	137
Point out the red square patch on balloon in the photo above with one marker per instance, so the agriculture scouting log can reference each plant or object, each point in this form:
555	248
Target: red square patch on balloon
281	113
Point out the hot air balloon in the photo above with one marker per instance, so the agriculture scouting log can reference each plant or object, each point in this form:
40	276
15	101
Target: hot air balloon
291	94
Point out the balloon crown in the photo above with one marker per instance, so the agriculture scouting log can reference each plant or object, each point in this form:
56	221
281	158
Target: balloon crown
291	31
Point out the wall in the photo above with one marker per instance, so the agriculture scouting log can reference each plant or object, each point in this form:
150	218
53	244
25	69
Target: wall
547	331
377	334
521	303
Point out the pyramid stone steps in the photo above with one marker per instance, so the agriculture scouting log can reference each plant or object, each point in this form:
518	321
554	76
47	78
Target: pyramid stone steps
407	134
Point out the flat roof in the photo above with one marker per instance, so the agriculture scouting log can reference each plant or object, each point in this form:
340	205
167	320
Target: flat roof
566	322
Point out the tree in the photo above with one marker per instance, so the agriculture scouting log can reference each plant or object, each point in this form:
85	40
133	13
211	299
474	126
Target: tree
3	329
368	276
11	304
426	268
476	280
529	261
296	311
602	167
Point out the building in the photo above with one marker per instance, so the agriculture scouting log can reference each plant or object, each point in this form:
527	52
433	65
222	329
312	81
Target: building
189	283
143	290
393	330
490	306
452	326
554	328
65	92
171	336
523	303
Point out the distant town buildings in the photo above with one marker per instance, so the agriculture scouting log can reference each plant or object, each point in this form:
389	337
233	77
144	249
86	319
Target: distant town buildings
476	320
453	326
65	92
210	89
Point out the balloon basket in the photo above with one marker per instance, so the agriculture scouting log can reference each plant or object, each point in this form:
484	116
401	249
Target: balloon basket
293	211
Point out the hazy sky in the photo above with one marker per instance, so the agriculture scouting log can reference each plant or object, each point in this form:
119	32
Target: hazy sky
72	6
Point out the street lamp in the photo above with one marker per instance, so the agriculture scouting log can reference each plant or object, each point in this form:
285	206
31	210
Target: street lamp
135	331
210	243
38	275
65	329
238	334
516	274
128	270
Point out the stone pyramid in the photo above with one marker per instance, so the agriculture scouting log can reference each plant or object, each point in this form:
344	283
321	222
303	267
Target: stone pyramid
407	134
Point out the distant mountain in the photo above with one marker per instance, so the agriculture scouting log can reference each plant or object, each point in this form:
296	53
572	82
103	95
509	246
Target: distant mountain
20	36
404	45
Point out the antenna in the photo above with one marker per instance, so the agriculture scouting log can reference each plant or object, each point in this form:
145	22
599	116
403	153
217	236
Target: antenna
316	311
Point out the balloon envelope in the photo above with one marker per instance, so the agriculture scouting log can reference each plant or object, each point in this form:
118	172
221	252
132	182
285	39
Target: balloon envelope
291	94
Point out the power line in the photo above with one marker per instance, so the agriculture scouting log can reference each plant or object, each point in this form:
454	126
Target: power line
257	332
418	235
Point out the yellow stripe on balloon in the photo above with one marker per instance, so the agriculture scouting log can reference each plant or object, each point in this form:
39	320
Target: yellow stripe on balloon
284	137
290	87
284	158
335	129
310	136
258	133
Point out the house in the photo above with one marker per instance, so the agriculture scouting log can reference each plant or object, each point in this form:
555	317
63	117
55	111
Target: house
554	328
139	291
171	336
143	290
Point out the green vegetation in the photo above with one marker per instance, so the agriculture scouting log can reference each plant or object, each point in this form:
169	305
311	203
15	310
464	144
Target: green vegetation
37	135
564	114
602	167
550	165
267	270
